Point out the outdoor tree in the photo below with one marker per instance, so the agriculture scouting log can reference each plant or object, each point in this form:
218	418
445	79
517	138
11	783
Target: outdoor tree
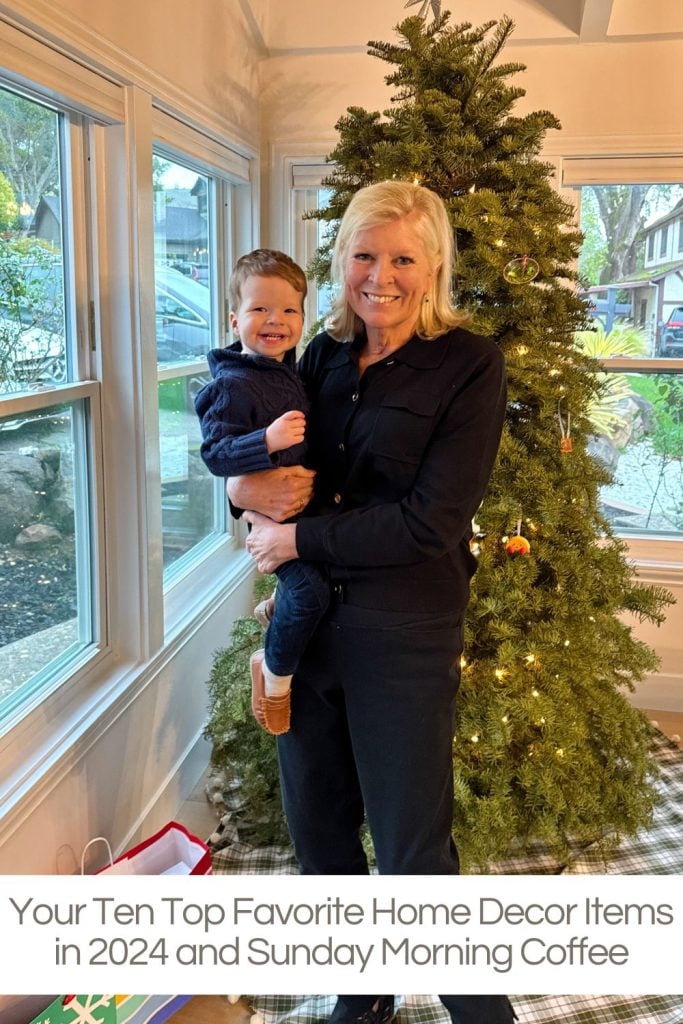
9	208
548	747
28	149
614	218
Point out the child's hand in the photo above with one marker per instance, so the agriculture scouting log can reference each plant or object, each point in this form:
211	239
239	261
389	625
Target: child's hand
285	431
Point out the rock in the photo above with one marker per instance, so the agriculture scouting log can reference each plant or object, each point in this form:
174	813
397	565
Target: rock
22	493
604	452
38	535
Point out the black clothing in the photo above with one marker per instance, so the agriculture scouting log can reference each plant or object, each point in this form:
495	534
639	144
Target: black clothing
403	456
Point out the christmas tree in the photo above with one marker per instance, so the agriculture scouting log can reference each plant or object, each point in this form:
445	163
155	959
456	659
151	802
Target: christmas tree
548	747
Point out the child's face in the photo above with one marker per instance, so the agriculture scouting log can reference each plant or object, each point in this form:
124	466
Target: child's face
270	318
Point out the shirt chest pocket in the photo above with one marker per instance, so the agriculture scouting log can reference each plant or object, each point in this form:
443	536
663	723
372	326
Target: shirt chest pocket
404	425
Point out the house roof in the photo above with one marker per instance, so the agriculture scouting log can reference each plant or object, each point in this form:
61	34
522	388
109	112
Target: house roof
639	279
671	215
182	225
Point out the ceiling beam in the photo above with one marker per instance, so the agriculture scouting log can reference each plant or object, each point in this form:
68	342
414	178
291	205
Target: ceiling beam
567	12
595	17
254	28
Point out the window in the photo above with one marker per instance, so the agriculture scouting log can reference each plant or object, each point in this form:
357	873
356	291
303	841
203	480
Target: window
87	590
638	316
301	192
192	506
47	423
664	240
202	218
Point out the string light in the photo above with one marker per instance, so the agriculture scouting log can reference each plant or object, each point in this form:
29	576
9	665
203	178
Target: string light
530	659
522	350
505	718
475	738
566	643
559	752
500	242
463	662
535	693
500	673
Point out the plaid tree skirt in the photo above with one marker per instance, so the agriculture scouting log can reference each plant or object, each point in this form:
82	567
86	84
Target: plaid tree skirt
659	850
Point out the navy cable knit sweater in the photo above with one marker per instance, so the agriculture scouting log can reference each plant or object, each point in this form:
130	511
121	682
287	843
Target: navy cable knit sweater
246	394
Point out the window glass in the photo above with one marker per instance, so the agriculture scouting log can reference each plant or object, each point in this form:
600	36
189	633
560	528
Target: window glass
32	327
188	500
44	549
192	502
308	235
45	556
634	282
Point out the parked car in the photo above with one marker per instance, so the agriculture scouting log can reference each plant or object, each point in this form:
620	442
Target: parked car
33	343
183	317
671	339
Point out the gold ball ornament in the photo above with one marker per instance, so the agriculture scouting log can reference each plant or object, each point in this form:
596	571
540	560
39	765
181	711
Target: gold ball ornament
518	545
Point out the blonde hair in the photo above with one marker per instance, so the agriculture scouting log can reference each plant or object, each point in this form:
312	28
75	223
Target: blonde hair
265	263
380	204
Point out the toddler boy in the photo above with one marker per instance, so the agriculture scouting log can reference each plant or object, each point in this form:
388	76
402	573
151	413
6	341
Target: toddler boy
253	417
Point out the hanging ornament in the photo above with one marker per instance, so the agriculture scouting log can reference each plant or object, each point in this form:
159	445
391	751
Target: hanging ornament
566	445
518	545
435	5
476	542
477	538
521	270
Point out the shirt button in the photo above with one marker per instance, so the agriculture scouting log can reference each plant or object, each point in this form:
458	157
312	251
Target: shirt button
342	447
354	396
391	362
337	498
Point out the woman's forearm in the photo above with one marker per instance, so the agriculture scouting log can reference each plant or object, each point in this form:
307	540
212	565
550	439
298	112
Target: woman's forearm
277	493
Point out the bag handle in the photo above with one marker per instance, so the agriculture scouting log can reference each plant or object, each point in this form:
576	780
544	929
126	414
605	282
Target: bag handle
97	839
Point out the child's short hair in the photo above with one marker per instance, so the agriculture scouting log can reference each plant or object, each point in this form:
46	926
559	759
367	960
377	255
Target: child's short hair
266	263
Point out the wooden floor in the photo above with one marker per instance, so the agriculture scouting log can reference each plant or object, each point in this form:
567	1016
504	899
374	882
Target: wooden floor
213	1010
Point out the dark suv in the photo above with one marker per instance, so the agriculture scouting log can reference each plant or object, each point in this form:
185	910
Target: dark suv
671	341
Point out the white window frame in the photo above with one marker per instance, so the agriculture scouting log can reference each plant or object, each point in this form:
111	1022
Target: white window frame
659	559
78	704
187	582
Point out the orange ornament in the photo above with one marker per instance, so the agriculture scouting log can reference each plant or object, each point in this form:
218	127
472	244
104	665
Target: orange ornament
518	545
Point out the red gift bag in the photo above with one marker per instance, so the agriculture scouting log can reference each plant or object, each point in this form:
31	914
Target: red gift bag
172	851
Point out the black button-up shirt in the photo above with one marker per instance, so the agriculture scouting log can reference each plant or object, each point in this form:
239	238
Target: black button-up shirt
403	456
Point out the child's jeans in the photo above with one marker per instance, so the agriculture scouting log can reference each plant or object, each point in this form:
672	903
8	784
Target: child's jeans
301	599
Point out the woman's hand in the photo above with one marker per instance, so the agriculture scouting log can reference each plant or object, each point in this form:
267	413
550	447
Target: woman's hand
278	493
270	544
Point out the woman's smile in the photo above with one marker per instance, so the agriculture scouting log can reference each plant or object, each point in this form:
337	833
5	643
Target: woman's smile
387	277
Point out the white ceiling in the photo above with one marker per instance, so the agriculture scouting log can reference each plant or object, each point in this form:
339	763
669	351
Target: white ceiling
332	26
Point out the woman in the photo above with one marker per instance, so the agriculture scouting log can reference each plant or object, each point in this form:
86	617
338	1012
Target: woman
407	409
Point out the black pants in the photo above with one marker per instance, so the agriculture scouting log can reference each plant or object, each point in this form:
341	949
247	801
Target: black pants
373	706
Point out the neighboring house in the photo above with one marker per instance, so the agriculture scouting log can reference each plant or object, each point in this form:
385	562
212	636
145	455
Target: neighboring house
654	292
47	221
180	226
